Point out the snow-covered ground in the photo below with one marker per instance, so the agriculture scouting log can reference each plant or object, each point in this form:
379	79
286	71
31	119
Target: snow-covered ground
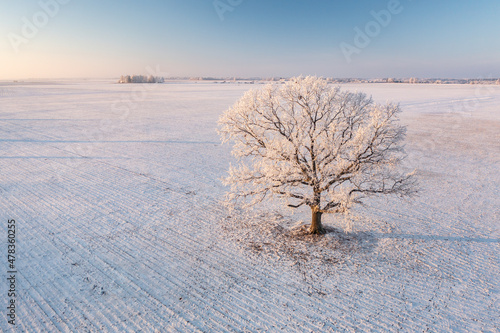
115	191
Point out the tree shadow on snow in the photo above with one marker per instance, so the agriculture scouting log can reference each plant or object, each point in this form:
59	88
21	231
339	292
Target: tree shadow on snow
334	243
438	238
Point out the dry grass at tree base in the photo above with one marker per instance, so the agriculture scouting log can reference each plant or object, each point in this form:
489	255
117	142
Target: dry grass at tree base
268	237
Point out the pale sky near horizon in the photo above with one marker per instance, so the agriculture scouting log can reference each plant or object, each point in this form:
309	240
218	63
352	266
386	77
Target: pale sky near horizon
94	39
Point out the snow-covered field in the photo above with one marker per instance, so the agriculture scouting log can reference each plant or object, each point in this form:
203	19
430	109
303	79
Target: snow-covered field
116	195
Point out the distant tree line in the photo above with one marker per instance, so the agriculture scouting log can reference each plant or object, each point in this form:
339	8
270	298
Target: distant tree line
140	79
416	80
282	80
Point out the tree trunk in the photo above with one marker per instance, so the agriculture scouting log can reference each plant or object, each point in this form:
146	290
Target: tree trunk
316	226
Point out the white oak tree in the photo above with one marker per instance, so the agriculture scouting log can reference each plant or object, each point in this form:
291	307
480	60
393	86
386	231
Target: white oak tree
312	144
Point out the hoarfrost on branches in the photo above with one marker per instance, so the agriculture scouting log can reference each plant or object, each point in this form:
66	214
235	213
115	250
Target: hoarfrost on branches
313	144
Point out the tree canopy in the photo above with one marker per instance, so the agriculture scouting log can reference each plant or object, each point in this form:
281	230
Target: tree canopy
313	144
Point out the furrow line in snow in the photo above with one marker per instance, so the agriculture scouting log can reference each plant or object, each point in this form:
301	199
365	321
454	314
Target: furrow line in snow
176	169
34	292
48	242
139	279
103	277
47	231
53	198
153	246
48	274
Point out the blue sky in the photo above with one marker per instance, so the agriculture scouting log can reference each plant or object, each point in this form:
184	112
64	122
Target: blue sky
266	38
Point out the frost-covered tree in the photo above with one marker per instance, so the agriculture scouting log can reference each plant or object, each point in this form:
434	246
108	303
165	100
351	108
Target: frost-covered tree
312	144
